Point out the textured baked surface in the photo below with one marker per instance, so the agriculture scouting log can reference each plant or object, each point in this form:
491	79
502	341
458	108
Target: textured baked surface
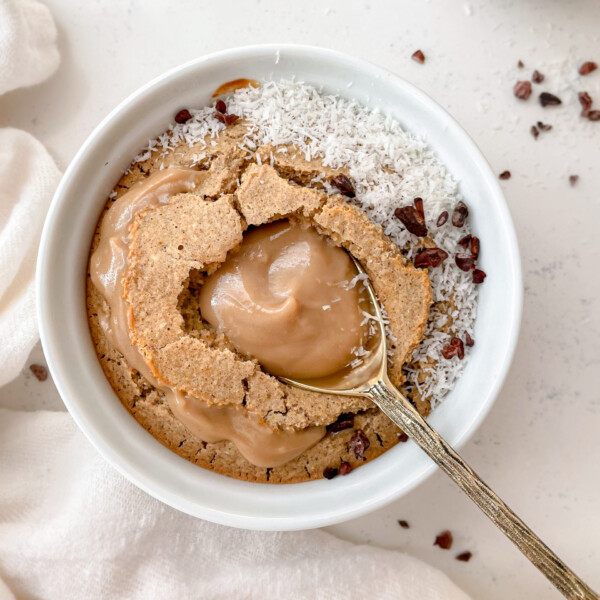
183	350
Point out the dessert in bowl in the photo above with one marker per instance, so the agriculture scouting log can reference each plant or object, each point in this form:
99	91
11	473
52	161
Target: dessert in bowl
332	176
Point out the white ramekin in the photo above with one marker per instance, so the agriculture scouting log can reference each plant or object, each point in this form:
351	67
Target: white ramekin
61	293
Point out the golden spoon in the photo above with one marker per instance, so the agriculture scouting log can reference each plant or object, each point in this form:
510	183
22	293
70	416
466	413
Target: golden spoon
371	379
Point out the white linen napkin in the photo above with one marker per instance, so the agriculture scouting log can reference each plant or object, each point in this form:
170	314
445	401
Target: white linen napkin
28	52
28	177
72	527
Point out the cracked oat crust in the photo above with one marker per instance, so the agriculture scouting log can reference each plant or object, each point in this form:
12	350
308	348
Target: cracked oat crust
183	351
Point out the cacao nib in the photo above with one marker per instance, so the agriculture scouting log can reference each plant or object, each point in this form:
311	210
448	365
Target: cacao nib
522	90
412	220
505	175
444	540
475	246
418	202
430	257
464	261
534	132
520	64
404	524
573	179
586	103
330	473
442	218
226	119
40	372
448	351
543	126
464	556
342	183
478	276
587	67
359	443
460	348
418	56
537	77
344	421
594	115
345	468
220	106
183	116
465	241
469	340
402	437
548	99
460	214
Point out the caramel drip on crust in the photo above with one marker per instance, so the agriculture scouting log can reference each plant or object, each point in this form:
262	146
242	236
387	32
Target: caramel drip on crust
256	441
236	84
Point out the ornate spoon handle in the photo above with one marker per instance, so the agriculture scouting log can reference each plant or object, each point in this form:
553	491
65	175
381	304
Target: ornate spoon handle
401	411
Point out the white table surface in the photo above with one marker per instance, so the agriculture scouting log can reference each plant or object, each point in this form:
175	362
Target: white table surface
539	447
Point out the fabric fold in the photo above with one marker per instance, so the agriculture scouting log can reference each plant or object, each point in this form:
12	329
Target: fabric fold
28	178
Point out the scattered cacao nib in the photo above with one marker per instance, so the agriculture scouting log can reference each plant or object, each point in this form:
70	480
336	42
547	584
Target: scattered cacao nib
543	126
537	77
460	214
520	64
345	468
180	247
40	372
344	421
359	443
573	179
448	351
418	202
478	276
464	261
522	90
475	246
594	115
430	257
183	116
465	241
442	218
548	99
418	56
226	119
342	183
586	103
469	341
220	106
444	540
505	175
587	67
534	132
330	472
402	437
412	220
404	524
460	348
464	556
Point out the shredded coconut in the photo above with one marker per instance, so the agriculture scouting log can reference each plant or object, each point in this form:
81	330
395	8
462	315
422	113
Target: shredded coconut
389	168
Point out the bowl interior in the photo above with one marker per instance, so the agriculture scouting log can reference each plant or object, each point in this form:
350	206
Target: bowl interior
67	343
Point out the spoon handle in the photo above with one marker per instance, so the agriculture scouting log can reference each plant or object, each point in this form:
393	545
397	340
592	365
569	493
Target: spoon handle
402	412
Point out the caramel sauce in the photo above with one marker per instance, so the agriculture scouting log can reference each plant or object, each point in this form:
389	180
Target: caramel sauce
236	84
286	298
